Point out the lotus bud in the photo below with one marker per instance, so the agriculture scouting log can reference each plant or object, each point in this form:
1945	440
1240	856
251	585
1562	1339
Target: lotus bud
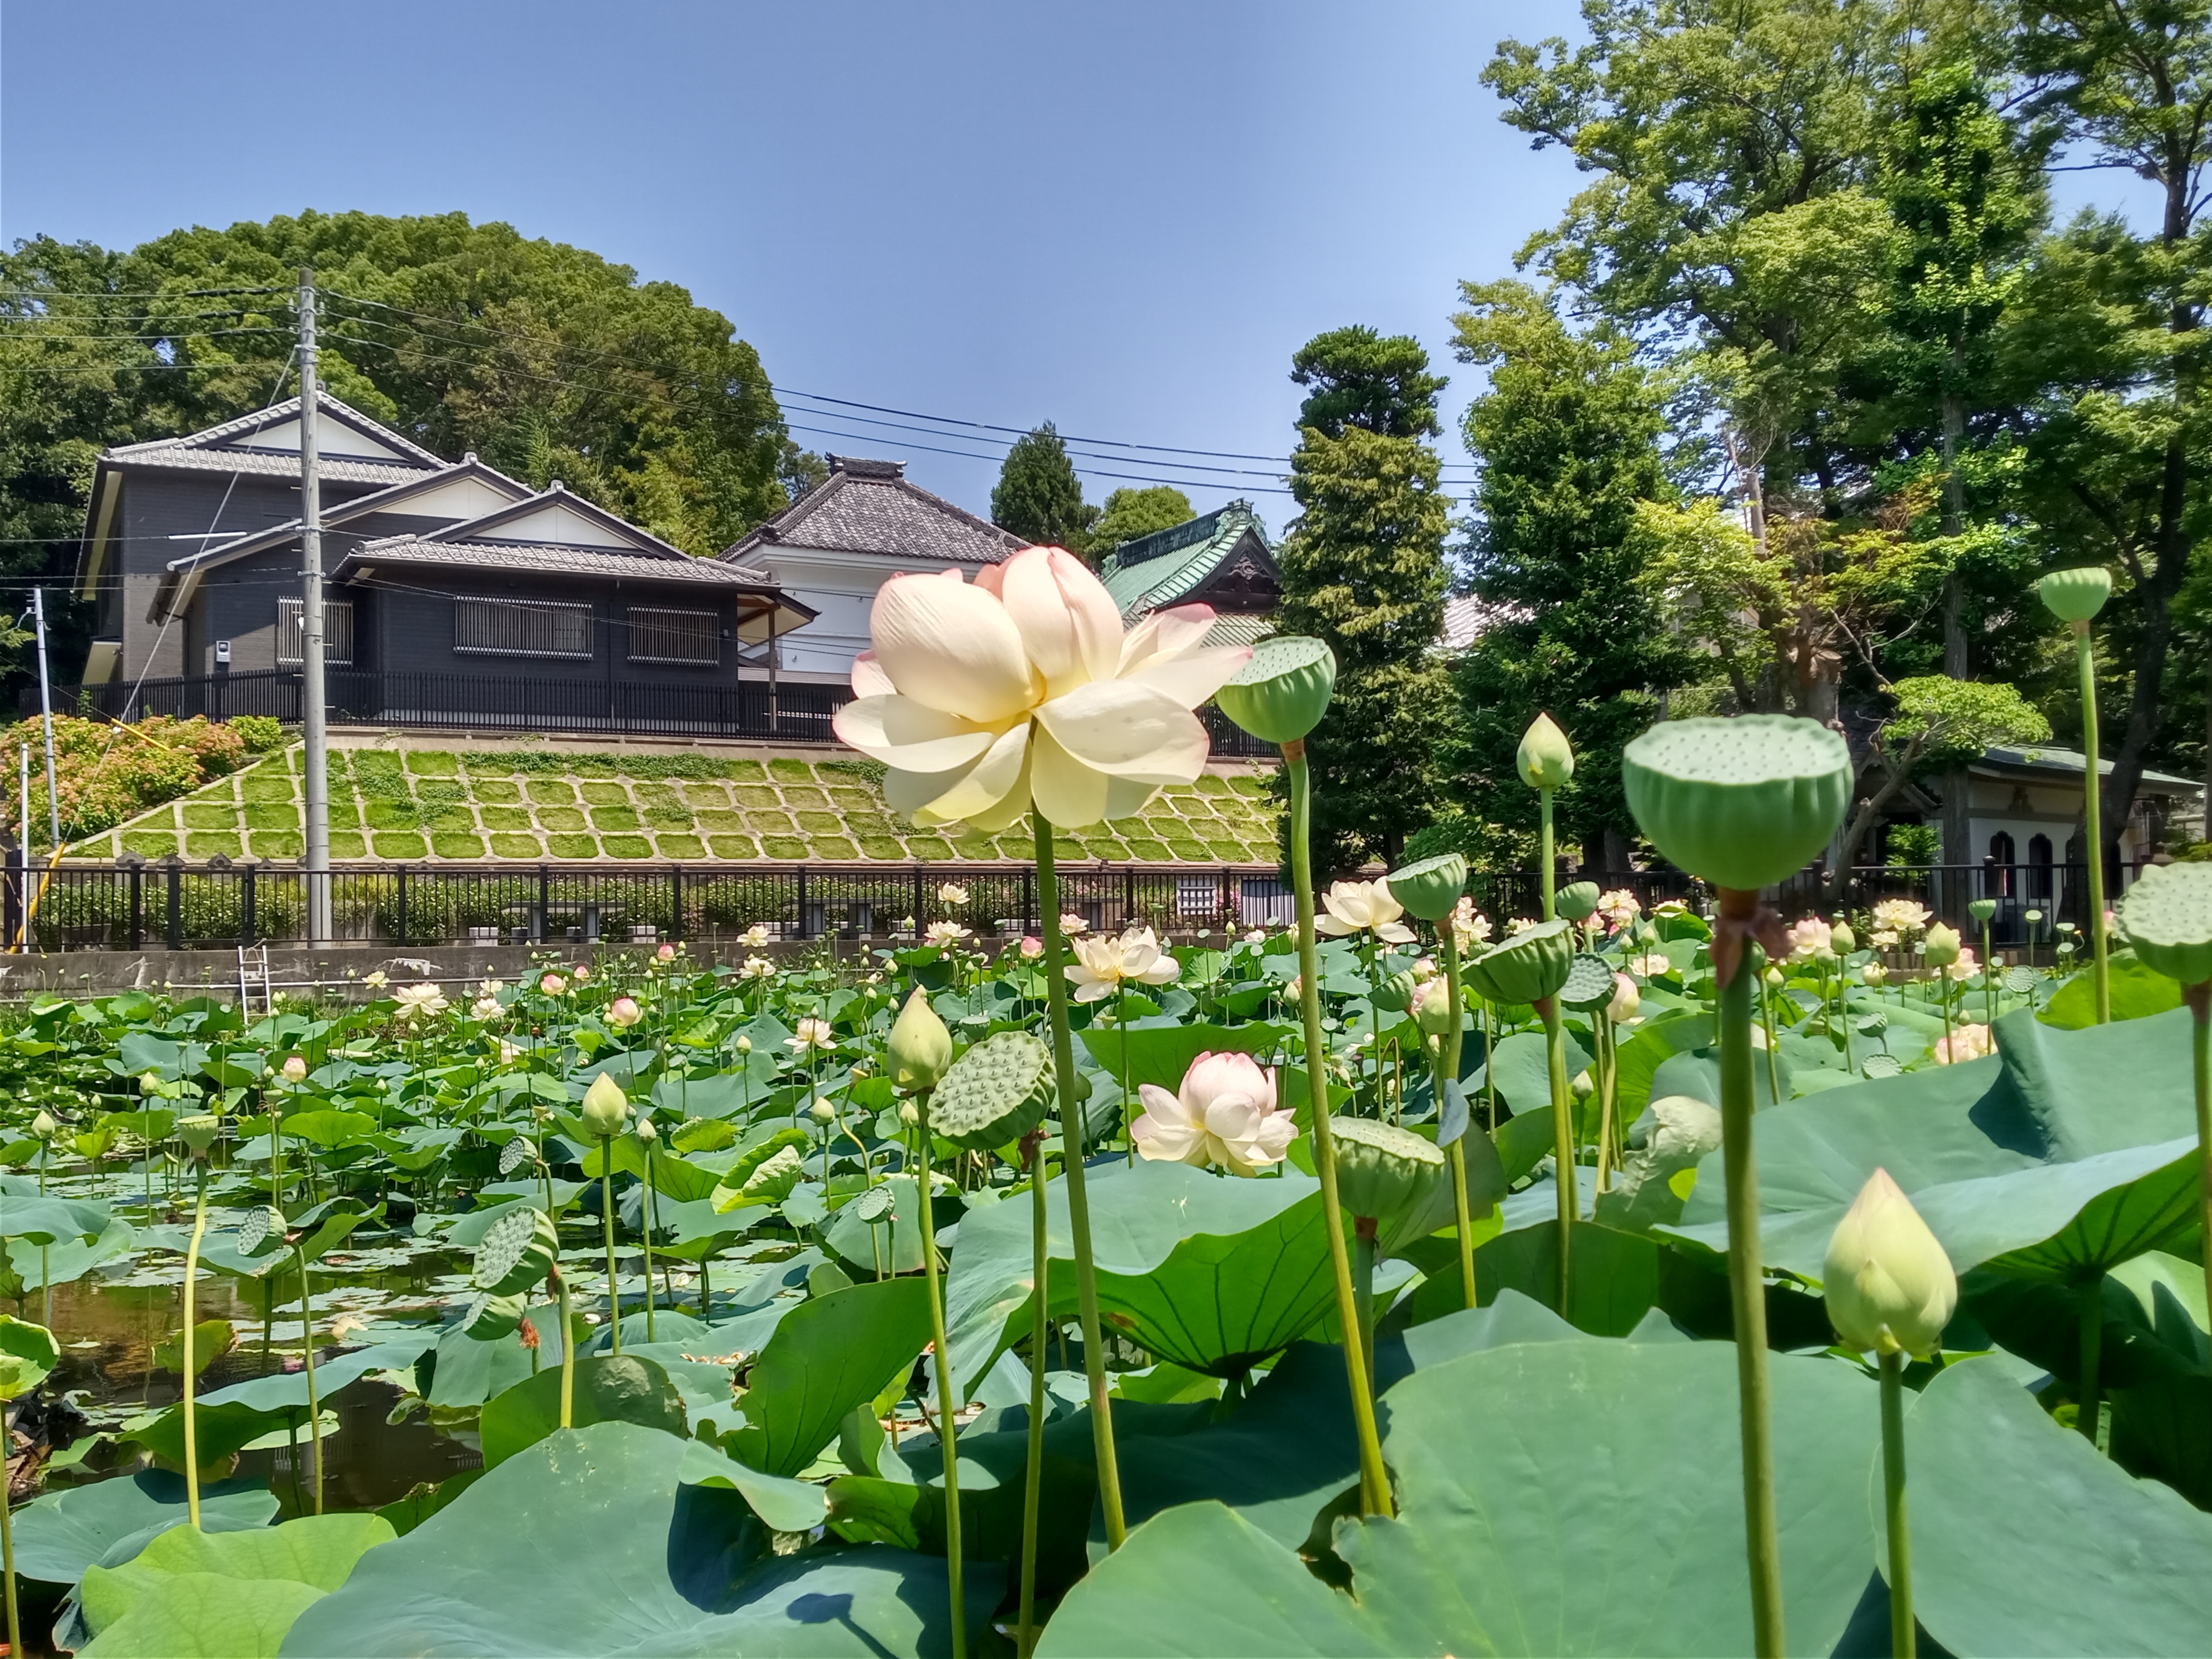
1282	692
822	1111
646	1132
920	1047
1626	1001
1942	945
1888	1283
149	1083
295	1070
1874	972
1774	978
1431	888
1585	1085
1546	758
2076	595
198	1132
624	1012
605	1108
44	1128
1741	802
1981	909
1841	940
745	1045
1433	1011
910	1114
1577	900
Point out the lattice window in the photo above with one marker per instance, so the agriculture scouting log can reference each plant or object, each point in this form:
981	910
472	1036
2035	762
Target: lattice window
692	637
338	632
521	627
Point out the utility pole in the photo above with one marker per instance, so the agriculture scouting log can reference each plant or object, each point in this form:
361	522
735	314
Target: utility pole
315	778
46	715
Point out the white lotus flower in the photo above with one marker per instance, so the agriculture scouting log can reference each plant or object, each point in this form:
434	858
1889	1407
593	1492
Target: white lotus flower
485	1008
377	980
946	932
1225	1113
757	967
952	893
1358	906
1652	964
1900	916
756	935
1874	972
416	1000
1811	940
811	1034
1966	1042
1021	688
1071	924
1103	964
1470	928
1618	907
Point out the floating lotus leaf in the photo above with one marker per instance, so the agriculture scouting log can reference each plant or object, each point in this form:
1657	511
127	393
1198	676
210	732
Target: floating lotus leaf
1533	964
1282	692
2166	917
1431	888
518	1251
995	1093
1742	802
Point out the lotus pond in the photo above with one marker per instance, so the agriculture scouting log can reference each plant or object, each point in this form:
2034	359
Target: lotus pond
754	1461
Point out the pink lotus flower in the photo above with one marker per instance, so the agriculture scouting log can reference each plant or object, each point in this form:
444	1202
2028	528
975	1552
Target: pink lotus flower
1224	1115
666	953
552	985
1966	1042
1032	948
624	1012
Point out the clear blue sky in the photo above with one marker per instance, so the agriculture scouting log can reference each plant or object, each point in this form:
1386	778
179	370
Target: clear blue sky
1122	217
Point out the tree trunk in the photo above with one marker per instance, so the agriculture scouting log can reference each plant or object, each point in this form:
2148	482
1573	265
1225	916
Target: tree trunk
2153	639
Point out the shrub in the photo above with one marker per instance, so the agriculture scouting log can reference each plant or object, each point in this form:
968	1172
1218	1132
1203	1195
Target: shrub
261	733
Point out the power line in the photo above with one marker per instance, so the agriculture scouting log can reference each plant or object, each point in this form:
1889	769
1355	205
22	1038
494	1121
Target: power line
134	293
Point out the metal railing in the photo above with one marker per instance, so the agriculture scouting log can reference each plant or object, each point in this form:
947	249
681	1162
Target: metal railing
747	709
134	907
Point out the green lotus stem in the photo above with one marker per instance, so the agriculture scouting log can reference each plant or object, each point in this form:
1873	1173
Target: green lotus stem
1078	1200
1607	1059
8	1566
2091	1298
2199	999
1548	858
1563	1142
1766	1020
1374	1479
192	1428
1447	1066
647	1213
567	1351
1747	1279
607	1215
1040	1325
1489	1071
1988	986
1363	1290
947	1406
1901	1632
307	1350
2085	663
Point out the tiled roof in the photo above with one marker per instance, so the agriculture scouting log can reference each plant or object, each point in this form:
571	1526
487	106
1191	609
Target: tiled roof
868	507
541	559
1160	569
1466	618
2045	757
1236	628
222	449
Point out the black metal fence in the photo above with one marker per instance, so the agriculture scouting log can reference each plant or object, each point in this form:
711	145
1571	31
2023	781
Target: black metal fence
128	906
748	708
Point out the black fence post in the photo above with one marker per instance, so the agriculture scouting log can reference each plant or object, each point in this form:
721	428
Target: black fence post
799	927
1128	897
175	932
538	924
402	877
246	928
675	901
917	911
137	906
1028	900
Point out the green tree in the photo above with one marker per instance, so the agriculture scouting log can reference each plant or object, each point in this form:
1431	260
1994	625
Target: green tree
1038	496
1364	570
548	360
1133	513
1566	437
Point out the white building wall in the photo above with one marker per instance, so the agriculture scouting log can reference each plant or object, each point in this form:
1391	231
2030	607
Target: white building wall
841	586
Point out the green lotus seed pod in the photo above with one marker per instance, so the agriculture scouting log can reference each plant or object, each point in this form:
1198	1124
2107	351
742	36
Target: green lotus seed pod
1741	802
1577	900
1396	995
1282	692
487	1318
995	1093
198	1132
2166	917
1531	964
2076	595
1546	758
920	1047
1981	909
1392	1177
517	1251
606	1108
1942	948
1589	984
262	1232
1431	888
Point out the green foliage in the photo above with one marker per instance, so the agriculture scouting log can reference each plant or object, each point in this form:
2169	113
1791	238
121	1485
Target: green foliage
1130	514
1567	437
1038	496
1362	379
1942	722
1363	570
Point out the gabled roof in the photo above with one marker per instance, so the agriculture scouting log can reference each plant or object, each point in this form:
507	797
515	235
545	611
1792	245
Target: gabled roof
1167	566
868	507
555	518
350	445
2066	763
424	495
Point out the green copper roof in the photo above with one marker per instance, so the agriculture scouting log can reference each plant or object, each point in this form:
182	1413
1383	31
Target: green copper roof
1161	568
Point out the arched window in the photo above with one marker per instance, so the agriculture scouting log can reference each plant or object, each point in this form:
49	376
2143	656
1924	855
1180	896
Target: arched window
2038	867
2004	879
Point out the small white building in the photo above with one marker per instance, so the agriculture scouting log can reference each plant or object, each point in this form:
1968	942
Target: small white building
835	545
2023	801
